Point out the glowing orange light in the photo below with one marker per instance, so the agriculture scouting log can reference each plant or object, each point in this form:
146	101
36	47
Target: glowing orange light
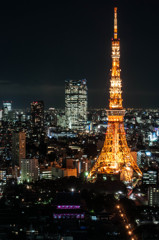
115	156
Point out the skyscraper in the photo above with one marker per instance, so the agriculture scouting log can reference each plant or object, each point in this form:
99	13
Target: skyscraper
153	196
8	105
18	147
150	177
29	170
37	120
37	114
76	104
7	108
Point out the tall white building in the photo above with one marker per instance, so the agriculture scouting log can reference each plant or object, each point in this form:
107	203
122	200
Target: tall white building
7	105
76	104
29	170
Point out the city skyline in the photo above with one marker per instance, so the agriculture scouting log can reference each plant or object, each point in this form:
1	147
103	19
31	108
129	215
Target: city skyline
78	172
43	45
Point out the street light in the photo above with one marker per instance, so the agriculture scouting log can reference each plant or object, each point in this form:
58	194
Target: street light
129	232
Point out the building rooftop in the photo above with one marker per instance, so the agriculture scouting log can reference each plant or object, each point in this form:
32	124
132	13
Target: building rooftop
67	198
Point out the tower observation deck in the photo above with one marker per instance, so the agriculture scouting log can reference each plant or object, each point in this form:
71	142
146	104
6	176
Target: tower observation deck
115	157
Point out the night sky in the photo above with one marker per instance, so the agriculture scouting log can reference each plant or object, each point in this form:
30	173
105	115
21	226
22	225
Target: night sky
42	44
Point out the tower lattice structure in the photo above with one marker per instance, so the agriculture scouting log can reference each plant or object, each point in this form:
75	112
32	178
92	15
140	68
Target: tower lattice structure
115	157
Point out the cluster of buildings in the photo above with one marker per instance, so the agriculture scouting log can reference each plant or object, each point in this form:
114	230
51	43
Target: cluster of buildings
24	132
39	144
50	144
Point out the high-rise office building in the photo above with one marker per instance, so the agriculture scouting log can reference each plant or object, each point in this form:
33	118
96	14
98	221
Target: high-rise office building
29	170
8	105
153	196
1	114
144	158
37	120
3	175
37	114
150	177
76	104
7	108
18	147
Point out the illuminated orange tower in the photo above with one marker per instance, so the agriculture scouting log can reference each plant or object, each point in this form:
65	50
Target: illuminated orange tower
115	157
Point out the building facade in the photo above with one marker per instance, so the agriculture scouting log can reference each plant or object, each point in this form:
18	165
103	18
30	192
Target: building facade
76	104
18	147
150	177
8	105
153	196
37	114
37	120
29	170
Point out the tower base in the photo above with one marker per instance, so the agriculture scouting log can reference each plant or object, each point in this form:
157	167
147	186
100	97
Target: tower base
115	157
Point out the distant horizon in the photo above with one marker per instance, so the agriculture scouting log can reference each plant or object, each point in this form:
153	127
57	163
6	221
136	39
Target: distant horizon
44	44
16	107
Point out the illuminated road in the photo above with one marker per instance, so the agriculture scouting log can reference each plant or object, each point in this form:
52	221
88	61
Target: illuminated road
126	223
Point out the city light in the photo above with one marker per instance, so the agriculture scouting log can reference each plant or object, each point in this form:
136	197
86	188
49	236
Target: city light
73	167
129	232
115	156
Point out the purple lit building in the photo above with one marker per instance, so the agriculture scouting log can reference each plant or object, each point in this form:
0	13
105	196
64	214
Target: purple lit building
67	205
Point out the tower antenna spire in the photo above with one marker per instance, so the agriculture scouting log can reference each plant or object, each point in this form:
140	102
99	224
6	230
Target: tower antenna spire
115	24
115	157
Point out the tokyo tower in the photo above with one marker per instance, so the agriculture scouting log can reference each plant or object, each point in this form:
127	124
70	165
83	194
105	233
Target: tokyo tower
115	157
